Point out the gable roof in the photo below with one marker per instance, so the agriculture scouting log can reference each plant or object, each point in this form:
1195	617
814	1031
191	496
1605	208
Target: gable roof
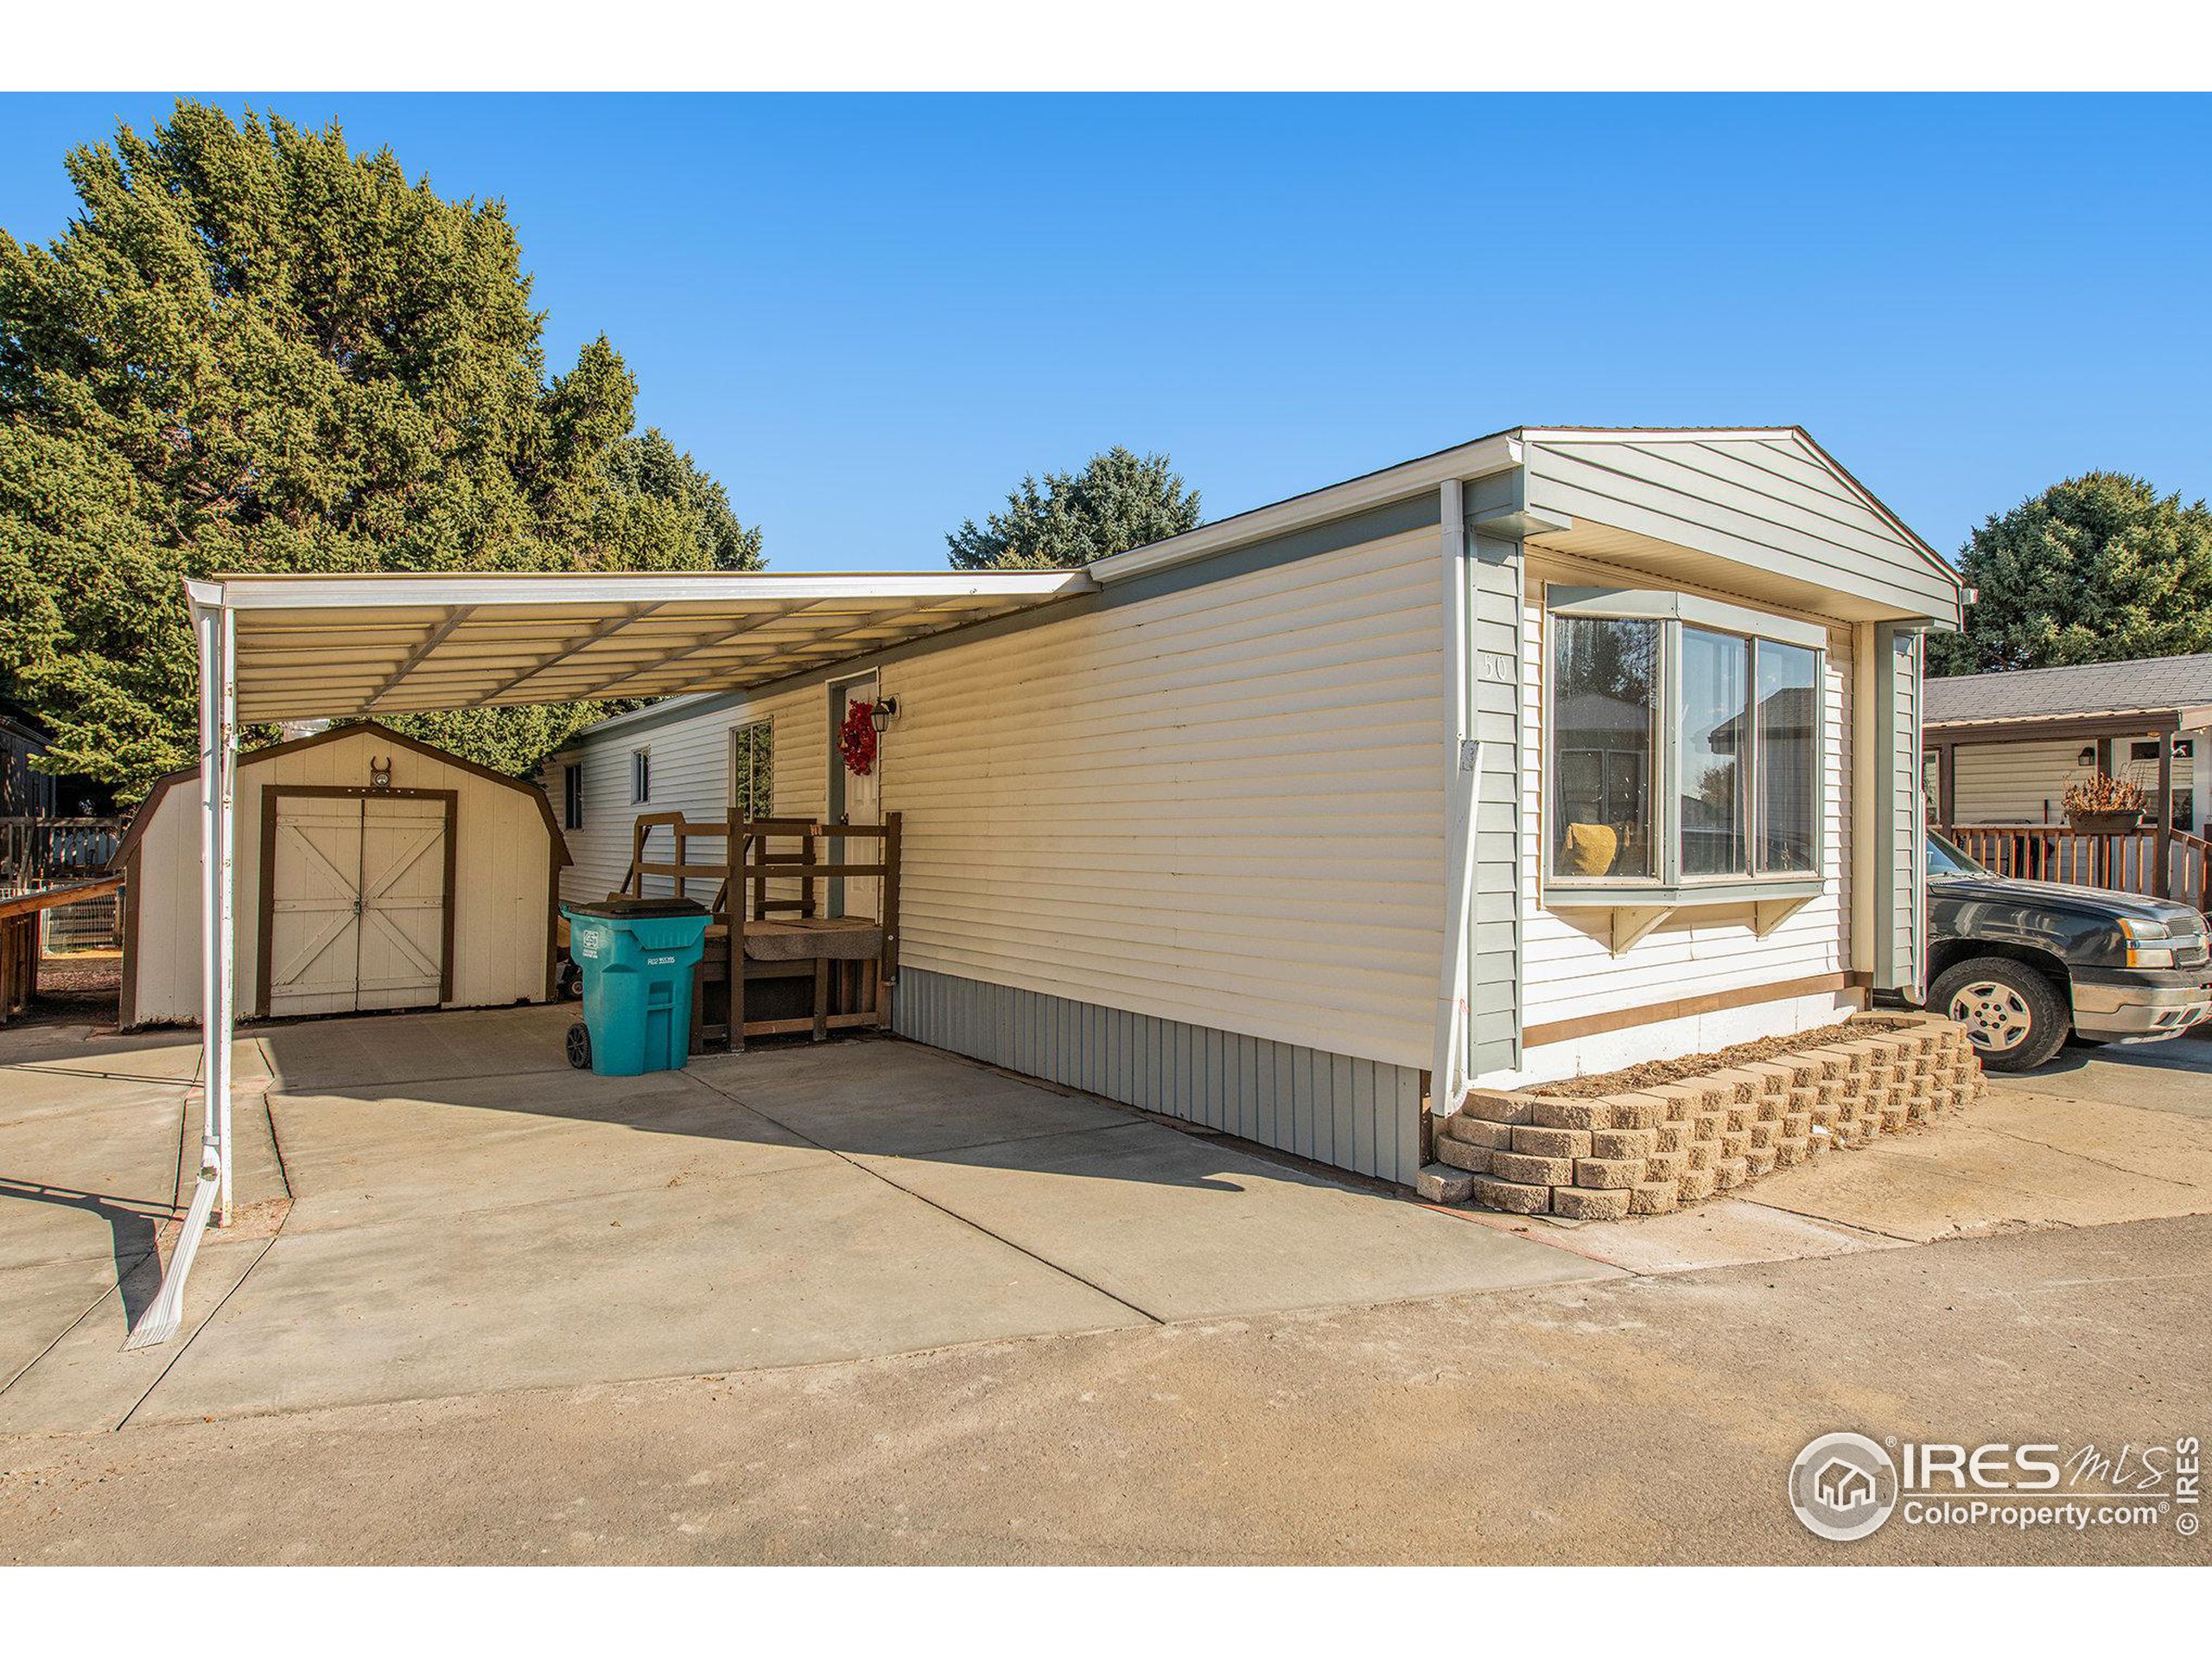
1767	498
2153	685
382	734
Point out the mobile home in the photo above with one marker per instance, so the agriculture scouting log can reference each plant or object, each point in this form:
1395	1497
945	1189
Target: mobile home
1559	750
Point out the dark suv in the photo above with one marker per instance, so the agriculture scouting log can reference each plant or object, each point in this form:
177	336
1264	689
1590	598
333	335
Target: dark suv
2021	965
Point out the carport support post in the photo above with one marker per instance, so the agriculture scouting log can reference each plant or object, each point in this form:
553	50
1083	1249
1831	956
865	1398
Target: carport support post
219	773
213	625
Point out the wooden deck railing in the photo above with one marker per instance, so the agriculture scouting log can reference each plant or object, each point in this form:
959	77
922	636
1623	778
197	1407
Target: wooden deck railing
36	852
2124	861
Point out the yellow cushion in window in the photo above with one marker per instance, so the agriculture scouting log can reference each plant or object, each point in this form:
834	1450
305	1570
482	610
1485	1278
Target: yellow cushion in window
1590	849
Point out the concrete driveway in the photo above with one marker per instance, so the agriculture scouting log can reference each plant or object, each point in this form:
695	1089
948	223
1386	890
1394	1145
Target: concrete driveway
436	1205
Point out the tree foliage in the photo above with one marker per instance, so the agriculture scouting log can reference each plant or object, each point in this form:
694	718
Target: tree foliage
2099	568
255	350
1119	501
648	473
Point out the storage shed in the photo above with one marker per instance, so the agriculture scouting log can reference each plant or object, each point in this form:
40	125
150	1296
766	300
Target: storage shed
373	871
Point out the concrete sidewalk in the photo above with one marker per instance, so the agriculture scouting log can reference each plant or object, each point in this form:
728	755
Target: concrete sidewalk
438	1205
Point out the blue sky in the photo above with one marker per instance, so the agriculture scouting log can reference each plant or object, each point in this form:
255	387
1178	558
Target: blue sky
869	316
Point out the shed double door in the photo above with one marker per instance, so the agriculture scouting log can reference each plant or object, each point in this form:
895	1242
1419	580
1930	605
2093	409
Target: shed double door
359	892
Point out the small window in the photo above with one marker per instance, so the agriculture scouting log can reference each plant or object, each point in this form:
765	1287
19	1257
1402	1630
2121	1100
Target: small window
572	796
751	768
2144	751
641	776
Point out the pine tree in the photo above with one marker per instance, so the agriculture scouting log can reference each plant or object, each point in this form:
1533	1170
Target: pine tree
254	349
1118	501
2098	568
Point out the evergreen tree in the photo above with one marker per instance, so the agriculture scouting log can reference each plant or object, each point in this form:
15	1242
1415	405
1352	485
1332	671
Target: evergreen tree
2099	568
1118	501
255	350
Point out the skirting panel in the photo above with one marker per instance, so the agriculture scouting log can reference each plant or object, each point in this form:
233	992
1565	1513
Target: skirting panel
1357	1115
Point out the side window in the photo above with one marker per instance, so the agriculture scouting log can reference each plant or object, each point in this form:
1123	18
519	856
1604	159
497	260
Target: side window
751	768
641	776
572	796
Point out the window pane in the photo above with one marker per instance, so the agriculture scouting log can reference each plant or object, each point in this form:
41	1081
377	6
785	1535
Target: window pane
754	764
1789	789
1709	755
1604	708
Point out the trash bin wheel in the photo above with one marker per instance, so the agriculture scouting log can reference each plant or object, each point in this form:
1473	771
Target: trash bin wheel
580	1046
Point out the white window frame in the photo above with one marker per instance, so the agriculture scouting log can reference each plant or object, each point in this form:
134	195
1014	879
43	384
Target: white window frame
572	794
1667	887
641	776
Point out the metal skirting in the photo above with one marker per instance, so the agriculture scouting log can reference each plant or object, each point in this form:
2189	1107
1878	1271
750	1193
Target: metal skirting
1357	1115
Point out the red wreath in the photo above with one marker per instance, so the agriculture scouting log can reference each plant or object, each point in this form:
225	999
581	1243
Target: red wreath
856	739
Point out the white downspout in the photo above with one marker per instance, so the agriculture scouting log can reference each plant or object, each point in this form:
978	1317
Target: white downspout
212	624
1462	786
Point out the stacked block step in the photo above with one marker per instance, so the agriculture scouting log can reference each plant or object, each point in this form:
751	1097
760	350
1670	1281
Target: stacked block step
1648	1150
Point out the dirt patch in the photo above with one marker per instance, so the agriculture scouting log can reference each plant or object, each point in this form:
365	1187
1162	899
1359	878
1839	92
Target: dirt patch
1631	1077
76	989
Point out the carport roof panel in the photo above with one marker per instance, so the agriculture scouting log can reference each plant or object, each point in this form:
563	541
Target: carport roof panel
314	647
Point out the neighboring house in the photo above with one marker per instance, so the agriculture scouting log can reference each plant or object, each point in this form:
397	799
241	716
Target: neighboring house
373	871
53	830
26	793
2001	749
23	794
1190	836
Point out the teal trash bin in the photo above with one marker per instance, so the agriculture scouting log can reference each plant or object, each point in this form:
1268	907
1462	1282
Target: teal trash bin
637	956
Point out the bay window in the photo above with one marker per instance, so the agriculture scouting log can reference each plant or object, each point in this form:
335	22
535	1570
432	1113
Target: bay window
1684	748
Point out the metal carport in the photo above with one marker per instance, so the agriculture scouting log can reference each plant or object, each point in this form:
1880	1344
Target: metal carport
274	648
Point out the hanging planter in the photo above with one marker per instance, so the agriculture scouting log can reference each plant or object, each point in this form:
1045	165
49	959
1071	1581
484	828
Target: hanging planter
856	739
2104	805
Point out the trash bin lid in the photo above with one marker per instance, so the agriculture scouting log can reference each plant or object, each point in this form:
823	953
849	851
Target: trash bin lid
621	907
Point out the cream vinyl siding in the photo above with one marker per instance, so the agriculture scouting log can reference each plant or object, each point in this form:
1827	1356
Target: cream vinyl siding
1221	806
500	880
2022	783
1570	968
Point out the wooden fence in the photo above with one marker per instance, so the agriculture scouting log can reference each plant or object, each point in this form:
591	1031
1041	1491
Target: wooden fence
38	852
2124	860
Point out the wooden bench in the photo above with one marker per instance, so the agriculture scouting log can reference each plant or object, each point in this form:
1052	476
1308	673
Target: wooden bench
763	871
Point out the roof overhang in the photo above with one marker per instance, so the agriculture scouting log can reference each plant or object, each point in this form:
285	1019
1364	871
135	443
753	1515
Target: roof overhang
2084	722
346	646
1499	452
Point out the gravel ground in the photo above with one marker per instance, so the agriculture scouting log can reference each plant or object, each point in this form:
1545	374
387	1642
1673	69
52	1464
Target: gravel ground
1645	1420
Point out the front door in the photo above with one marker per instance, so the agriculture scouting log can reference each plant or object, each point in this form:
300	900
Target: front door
854	798
358	902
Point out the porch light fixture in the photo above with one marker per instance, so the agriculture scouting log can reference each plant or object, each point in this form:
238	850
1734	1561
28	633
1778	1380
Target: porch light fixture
2087	757
886	711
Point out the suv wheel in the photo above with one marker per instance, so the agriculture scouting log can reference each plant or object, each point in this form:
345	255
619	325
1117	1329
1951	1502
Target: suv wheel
2013	1016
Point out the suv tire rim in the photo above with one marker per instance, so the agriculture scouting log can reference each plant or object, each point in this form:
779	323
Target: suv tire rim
1996	1017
